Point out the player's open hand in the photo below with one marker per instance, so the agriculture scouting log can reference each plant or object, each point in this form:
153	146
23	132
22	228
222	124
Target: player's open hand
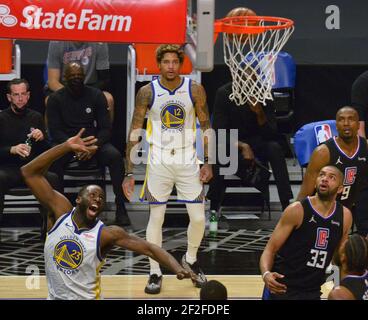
271	282
82	145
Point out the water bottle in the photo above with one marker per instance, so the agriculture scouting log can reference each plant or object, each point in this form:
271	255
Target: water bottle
29	141
213	223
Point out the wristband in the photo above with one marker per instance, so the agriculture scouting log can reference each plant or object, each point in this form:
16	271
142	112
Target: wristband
129	174
265	274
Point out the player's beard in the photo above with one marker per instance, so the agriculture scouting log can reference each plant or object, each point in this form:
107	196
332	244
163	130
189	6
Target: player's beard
325	195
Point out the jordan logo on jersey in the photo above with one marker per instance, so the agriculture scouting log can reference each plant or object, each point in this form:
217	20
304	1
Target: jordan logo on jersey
312	220
322	238
339	161
350	173
173	116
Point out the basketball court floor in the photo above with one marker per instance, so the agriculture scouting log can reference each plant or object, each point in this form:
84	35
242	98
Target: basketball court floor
231	256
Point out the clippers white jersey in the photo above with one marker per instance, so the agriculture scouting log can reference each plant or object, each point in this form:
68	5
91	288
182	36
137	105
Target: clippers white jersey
171	119
73	261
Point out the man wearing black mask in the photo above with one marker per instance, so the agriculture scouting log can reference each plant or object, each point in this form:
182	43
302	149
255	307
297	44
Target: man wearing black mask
22	138
78	106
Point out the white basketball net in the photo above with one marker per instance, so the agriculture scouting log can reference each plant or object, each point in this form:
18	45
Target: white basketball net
251	59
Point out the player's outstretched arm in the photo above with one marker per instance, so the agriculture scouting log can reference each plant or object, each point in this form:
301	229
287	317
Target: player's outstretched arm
115	236
290	220
34	173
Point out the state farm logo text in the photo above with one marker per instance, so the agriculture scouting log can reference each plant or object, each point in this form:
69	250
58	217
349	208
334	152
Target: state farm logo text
35	17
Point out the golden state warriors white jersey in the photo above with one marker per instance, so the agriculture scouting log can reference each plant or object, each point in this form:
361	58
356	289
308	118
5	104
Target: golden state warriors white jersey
72	260
171	119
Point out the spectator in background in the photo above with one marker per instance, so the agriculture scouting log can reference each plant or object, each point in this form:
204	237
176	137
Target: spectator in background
257	129
19	124
213	290
78	106
93	56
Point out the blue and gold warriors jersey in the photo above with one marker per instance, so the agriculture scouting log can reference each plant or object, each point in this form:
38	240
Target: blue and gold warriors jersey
171	120
73	260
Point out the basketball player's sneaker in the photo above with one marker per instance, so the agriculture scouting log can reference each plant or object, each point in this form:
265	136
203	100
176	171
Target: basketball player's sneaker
154	284
200	278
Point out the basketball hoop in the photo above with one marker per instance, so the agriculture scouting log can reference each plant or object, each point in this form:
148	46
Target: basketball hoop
251	45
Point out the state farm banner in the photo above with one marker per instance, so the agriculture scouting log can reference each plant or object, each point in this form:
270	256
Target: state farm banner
144	21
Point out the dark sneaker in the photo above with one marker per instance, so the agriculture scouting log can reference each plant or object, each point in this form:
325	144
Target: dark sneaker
154	284
200	278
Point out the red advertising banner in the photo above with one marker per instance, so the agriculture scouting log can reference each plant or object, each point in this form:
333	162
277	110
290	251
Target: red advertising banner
139	21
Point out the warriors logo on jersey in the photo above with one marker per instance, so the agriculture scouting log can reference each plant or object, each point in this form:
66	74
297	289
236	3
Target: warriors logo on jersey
172	116
68	254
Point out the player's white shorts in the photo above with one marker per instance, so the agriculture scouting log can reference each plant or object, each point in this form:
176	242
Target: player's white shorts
164	170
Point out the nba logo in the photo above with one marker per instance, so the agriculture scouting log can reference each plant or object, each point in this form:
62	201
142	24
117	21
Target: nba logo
323	133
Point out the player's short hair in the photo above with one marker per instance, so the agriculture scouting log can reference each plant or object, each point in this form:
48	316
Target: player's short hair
356	251
213	290
83	190
165	48
347	108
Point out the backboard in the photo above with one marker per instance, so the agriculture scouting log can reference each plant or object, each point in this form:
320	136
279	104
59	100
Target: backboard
200	34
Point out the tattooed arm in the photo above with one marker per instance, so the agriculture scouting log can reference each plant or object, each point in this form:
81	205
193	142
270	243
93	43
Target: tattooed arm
143	99
200	105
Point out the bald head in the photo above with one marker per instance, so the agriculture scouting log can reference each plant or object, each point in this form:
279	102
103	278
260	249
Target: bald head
73	69
347	109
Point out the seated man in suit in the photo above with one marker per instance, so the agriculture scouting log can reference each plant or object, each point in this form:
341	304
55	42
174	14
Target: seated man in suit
22	138
256	127
77	106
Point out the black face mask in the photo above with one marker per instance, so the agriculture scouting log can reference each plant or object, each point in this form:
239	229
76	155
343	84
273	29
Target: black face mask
76	86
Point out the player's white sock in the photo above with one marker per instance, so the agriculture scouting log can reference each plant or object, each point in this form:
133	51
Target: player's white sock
195	230
154	232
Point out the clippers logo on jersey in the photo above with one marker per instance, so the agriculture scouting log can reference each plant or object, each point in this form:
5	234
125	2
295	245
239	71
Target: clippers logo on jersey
323	133
350	174
173	116
322	238
68	254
